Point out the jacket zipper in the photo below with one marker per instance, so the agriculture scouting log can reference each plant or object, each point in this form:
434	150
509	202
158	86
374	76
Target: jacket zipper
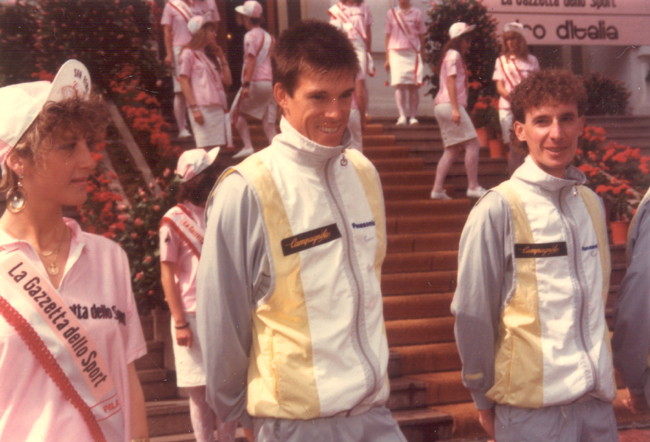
582	292
348	236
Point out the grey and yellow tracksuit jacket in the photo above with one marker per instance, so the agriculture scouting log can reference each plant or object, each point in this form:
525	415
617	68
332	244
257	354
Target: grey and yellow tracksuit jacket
289	301
532	284
631	339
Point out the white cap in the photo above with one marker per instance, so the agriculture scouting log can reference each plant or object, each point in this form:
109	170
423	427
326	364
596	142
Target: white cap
460	28
193	162
250	8
199	21
514	27
21	103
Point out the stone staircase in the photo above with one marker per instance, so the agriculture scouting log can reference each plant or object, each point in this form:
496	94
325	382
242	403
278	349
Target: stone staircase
625	130
419	276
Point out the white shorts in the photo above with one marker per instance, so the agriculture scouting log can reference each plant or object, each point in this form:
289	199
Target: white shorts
453	133
261	101
177	70
402	66
188	360
354	124
213	131
505	118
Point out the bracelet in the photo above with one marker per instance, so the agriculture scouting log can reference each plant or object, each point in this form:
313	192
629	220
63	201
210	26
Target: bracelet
246	84
180	327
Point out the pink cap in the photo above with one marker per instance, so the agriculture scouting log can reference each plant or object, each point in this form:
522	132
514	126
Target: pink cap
460	28
193	162
250	8
199	21
514	27
21	103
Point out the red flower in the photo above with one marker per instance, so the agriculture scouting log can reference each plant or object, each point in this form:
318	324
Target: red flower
138	222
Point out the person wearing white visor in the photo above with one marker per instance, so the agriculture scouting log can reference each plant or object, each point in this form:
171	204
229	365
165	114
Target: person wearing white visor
457	130
255	98
65	370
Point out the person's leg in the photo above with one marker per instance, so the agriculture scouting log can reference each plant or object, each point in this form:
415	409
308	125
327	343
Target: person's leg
598	421
472	148
226	430
268	123
244	132
400	98
444	166
201	415
414	102
557	424
180	108
380	426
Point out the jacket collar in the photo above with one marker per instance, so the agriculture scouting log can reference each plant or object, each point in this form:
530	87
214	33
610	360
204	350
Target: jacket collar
302	148
531	174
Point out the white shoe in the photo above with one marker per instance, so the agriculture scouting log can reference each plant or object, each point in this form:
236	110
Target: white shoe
184	134
476	193
246	151
440	195
413	121
401	121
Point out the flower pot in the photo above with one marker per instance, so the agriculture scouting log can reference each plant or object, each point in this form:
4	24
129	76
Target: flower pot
483	136
496	148
619	231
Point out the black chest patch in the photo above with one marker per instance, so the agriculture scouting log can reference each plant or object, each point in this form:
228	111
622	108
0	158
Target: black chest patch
546	250
307	240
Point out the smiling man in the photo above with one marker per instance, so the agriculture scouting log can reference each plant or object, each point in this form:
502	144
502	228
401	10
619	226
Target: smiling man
532	282
289	301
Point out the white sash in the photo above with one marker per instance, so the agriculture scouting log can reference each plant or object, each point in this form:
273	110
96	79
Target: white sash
180	219
182	8
61	344
406	29
513	74
222	94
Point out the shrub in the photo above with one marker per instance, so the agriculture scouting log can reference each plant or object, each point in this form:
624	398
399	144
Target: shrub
18	27
486	114
606	95
483	52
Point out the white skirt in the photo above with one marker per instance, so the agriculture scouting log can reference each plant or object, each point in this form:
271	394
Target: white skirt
177	71
213	130
505	118
190	371
354	124
402	66
453	133
261	101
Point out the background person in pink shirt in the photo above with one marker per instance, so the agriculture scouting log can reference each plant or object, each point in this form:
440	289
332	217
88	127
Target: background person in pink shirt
514	64
404	42
457	130
176	15
203	84
255	97
181	238
80	283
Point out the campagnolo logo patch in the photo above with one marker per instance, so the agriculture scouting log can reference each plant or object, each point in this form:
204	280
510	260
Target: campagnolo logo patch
546	250
310	239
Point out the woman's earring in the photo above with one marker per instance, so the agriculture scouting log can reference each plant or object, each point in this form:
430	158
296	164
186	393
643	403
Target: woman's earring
16	197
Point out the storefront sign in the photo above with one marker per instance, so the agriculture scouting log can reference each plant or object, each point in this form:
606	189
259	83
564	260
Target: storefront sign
577	22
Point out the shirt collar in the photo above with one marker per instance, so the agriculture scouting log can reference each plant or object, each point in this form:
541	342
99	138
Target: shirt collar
530	173
291	138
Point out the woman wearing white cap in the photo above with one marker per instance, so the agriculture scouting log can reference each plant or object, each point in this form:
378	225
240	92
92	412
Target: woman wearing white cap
69	327
255	97
181	239
203	83
455	125
405	31
514	64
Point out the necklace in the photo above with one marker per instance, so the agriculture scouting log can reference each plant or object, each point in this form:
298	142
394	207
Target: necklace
53	268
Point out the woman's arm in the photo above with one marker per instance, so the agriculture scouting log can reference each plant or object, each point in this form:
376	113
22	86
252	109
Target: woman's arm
226	75
183	335
501	89
169	58
139	427
188	92
387	64
453	98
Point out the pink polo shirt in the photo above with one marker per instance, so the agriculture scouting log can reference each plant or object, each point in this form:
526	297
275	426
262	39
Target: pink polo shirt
359	16
398	39
96	285
174	249
253	41
452	65
512	70
171	16
204	77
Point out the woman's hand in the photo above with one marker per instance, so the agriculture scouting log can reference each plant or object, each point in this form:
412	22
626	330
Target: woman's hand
455	116
169	61
387	64
184	337
486	419
198	116
636	403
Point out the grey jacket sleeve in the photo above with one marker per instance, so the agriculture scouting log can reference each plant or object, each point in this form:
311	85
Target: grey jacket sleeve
233	273
631	340
485	278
